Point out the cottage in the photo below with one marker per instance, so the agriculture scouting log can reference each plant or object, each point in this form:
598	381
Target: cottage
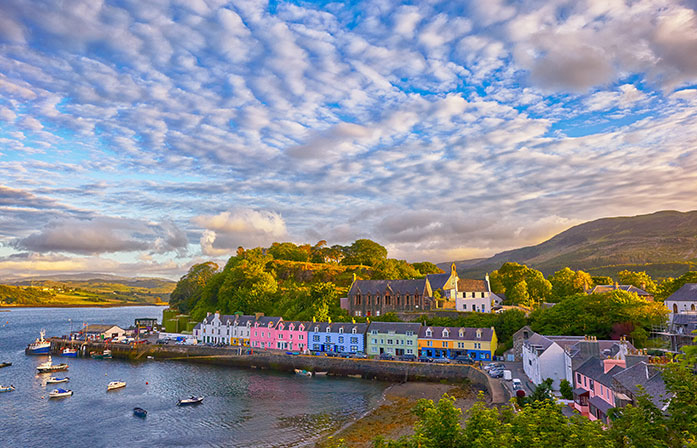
337	337
377	297
543	357
450	342
476	296
395	338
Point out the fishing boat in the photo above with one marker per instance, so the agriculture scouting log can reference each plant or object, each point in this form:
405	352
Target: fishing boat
106	354
5	364
140	412
40	346
115	385
9	388
302	372
189	401
48	366
60	393
69	352
54	380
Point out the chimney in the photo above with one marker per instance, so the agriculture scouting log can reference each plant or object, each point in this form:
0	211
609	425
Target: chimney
608	364
258	315
208	314
643	286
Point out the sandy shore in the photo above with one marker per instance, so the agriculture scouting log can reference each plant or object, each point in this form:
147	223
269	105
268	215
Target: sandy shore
392	417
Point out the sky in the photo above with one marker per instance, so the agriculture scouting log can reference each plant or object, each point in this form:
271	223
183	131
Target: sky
139	137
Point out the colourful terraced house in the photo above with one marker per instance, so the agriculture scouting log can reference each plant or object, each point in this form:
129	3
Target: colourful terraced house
263	333
291	336
337	337
394	338
478	344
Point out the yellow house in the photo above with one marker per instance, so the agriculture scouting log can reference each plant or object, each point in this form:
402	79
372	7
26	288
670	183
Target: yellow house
478	344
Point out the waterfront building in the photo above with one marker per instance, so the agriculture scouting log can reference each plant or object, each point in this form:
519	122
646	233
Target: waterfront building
478	344
263	334
377	297
219	328
292	335
395	338
102	331
337	337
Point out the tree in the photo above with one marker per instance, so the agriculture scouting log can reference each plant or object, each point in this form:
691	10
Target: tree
426	267
190	286
670	285
364	252
602	280
566	390
639	279
289	251
394	269
506	278
567	282
519	293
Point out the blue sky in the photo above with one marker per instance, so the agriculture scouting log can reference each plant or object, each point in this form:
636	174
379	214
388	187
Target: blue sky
140	137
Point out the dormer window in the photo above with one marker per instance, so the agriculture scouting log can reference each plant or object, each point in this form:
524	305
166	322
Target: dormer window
429	333
353	330
328	329
341	330
479	334
462	333
316	329
446	333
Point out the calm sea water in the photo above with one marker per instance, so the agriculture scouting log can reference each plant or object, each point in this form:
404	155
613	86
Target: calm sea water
242	408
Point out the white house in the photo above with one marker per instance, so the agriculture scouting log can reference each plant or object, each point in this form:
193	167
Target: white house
225	329
104	331
543	357
682	301
475	295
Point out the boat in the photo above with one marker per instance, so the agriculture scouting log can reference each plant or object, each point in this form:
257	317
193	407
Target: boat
54	380
5	364
189	401
60	393
106	354
302	372
9	388
69	352
140	412
40	346
320	373
115	385
47	366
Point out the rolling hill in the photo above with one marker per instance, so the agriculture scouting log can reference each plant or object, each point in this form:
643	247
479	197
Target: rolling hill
662	243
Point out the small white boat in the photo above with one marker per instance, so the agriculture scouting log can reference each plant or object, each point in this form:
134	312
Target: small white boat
60	393
320	373
69	352
9	388
54	380
302	372
48	366
189	401
115	385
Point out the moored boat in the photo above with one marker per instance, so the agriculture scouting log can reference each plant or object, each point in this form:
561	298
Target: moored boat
302	372
40	346
115	385
189	401
60	393
69	352
106	354
54	380
48	366
9	388
140	412
5	364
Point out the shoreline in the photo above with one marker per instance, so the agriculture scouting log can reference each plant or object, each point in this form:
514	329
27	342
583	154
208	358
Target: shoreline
391	417
8	307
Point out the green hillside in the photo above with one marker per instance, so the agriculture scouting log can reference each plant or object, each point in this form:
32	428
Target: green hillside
662	244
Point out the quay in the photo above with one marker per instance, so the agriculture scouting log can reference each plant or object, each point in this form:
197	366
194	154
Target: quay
395	371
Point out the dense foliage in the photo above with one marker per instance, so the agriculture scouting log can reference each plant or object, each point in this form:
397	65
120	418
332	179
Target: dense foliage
521	284
23	296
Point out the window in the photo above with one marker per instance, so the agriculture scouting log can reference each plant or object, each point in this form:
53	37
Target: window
429	333
353	330
354	348
377	312
578	379
410	342
373	332
327	339
316	329
429	343
374	349
341	330
446	333
315	338
301	337
315	347
354	340
357	313
389	342
591	384
341	339
410	351
374	341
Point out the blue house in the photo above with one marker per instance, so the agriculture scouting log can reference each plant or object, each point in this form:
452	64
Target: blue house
336	337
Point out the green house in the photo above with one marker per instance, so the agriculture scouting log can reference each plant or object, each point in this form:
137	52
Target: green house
395	338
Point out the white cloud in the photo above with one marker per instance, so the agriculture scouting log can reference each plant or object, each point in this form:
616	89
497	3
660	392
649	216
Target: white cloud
228	230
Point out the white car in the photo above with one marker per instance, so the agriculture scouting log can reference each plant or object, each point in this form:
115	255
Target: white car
517	384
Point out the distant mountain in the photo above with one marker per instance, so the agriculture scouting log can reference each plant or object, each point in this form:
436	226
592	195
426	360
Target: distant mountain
662	243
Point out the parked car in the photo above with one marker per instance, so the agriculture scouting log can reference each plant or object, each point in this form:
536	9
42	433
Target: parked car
359	355
333	354
496	373
463	359
442	360
494	365
516	384
425	359
407	357
386	357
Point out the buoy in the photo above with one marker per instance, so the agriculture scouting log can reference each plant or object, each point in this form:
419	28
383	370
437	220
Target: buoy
146	382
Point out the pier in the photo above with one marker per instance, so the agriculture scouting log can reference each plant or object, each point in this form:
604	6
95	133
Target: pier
395	371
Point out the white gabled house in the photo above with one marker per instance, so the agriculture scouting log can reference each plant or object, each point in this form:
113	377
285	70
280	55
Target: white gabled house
543	357
225	329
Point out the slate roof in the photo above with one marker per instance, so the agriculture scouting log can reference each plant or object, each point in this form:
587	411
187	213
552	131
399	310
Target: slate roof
471	285
296	324
580	391
378	287
334	327
688	293
396	327
468	334
606	347
437	281
198	326
601	404
542	343
629	288
594	369
264	321
98	328
648	377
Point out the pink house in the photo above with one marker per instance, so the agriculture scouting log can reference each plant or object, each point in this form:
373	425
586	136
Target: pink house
593	394
291	336
263	333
